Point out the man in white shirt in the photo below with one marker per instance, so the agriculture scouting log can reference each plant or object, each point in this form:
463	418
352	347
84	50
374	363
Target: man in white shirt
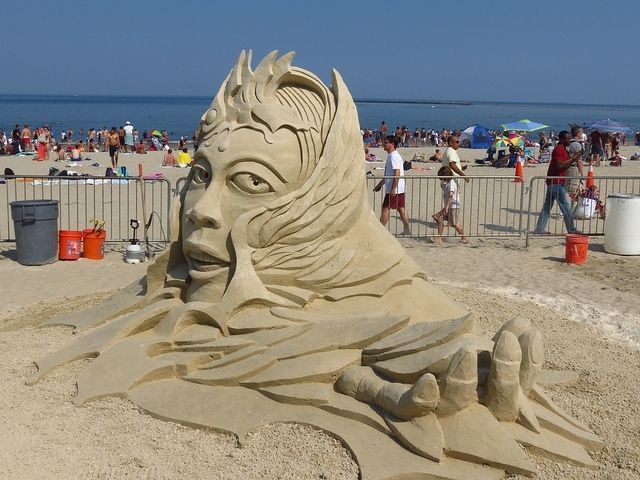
394	187
128	138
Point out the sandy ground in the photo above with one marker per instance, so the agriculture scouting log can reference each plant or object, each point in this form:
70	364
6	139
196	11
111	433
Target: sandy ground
589	316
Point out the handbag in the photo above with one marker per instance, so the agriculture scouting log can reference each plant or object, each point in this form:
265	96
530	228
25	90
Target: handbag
586	208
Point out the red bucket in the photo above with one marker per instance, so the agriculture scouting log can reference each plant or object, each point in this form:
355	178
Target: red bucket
576	249
94	243
70	244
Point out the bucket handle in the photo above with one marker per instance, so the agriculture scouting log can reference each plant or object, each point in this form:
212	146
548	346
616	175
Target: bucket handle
28	212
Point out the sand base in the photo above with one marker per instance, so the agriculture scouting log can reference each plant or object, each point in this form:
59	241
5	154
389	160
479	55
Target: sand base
588	316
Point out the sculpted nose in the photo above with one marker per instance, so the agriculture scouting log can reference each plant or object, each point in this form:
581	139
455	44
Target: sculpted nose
205	213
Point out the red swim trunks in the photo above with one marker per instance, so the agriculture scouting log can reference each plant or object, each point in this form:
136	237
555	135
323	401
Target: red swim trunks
397	201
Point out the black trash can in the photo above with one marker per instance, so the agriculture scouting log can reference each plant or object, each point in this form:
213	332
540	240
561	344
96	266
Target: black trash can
36	225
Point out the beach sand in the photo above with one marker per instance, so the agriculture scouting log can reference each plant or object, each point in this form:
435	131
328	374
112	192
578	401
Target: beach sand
589	317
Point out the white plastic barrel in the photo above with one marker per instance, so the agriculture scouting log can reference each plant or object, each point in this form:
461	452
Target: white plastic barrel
622	226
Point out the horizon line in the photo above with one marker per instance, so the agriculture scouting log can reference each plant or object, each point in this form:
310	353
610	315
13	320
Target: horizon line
356	100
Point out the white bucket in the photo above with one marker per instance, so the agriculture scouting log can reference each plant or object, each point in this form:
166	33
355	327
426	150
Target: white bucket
622	226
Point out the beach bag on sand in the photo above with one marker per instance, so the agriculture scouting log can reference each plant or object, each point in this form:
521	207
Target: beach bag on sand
110	172
407	165
8	172
123	172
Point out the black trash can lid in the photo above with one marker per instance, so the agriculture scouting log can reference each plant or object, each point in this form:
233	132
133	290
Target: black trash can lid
26	203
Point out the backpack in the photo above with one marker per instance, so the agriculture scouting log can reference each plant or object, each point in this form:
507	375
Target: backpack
407	165
110	172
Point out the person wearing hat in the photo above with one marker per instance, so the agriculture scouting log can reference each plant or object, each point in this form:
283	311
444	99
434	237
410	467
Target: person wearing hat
128	137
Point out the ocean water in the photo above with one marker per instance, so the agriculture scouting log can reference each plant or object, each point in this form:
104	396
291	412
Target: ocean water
180	115
491	115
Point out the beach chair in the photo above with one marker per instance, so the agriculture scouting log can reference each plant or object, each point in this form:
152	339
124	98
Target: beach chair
488	161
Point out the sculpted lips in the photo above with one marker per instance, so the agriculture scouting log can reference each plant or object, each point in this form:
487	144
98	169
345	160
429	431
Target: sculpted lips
204	262
203	266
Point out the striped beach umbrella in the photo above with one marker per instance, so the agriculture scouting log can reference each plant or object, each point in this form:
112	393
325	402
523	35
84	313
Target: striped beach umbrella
501	142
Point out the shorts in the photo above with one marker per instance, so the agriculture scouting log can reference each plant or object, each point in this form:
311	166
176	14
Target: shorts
452	217
113	150
596	149
121	140
26	140
395	203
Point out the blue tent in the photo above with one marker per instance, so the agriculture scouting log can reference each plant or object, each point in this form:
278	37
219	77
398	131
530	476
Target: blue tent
475	136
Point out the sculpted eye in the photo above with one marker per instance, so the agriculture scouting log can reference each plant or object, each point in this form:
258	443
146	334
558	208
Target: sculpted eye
200	174
251	183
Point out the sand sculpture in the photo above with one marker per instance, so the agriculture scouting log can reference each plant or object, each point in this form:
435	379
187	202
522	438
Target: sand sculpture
282	299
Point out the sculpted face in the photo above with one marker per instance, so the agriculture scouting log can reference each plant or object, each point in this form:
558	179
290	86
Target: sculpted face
224	184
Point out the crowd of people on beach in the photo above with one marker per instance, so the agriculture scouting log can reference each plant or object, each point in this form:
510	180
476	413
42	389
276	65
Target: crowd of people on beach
567	152
42	141
439	138
599	146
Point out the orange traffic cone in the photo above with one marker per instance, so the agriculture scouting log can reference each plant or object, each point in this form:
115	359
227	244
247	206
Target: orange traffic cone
590	175
519	174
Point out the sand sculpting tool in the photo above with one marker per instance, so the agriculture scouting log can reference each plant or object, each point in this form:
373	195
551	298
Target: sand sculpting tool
144	210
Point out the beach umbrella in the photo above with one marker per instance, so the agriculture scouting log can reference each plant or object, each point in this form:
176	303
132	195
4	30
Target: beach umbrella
501	142
516	140
524	125
610	126
156	132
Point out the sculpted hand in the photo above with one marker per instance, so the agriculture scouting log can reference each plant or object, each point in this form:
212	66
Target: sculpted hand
502	386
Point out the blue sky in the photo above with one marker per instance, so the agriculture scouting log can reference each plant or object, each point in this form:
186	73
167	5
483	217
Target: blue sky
543	51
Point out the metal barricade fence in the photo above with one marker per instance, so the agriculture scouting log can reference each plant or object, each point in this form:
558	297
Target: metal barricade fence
179	185
491	205
588	221
114	200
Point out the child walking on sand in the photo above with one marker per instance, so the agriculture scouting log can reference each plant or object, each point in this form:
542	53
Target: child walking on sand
451	210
